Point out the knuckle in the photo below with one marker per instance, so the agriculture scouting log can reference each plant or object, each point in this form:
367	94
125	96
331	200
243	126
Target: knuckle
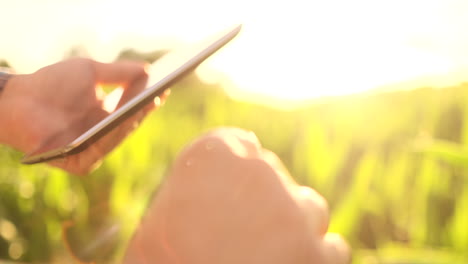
235	141
81	62
222	154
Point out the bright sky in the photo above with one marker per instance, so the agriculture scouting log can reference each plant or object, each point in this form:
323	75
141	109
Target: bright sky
288	49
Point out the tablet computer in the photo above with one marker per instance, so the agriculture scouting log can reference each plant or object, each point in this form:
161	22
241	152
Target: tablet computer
166	71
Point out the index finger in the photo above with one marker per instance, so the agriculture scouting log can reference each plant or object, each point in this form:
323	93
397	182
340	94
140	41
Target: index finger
131	75
120	72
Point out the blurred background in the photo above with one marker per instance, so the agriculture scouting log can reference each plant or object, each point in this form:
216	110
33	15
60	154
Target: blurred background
365	101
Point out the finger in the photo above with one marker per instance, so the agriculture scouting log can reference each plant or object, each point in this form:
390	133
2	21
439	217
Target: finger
91	157
82	163
313	205
114	137
243	143
335	250
160	100
133	89
165	94
120	73
315	209
132	76
276	163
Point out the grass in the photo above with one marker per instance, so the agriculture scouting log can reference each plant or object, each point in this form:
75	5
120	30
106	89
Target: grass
392	166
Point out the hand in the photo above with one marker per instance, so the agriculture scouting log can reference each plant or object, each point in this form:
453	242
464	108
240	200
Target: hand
38	106
227	200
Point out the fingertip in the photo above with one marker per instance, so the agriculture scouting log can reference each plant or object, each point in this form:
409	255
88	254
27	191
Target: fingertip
146	68
336	249
121	72
315	208
144	72
160	100
157	101
167	92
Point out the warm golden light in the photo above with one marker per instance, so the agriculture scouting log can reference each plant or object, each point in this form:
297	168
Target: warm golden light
287	49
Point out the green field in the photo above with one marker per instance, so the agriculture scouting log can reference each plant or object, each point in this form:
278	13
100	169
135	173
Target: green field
393	167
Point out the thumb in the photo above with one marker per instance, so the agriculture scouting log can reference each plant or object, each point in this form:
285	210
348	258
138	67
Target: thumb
130	75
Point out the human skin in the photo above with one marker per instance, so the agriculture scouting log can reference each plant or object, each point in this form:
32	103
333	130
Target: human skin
228	200
36	107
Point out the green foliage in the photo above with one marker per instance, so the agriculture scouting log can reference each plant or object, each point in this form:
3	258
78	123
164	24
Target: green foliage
392	166
4	63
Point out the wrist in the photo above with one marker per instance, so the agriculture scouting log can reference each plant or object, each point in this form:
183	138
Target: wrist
9	82
9	107
5	76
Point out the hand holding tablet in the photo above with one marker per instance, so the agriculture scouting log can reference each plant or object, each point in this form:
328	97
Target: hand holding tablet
81	133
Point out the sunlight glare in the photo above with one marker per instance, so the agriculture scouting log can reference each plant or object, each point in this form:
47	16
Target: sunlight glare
320	50
287	49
